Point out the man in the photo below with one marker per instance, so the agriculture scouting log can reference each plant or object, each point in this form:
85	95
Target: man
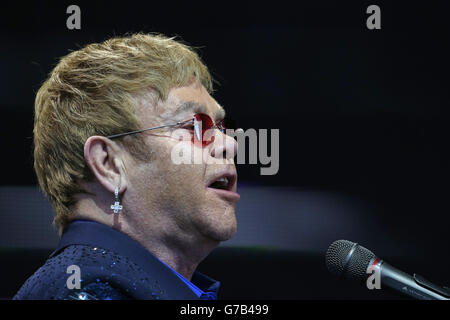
134	221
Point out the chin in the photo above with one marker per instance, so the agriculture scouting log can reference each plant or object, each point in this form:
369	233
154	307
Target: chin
224	232
217	222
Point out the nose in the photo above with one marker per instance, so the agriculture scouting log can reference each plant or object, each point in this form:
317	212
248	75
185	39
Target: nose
224	147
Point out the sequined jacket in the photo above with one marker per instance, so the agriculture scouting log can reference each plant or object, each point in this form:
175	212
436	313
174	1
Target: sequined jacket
110	266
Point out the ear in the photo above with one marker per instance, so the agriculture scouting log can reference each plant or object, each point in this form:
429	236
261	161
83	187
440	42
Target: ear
105	159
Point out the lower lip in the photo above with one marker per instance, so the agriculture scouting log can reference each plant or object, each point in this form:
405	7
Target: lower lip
228	195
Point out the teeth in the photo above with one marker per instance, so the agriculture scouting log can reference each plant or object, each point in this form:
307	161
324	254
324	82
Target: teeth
221	183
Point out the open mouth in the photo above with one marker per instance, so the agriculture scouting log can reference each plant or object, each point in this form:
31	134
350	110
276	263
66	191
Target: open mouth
224	181
223	185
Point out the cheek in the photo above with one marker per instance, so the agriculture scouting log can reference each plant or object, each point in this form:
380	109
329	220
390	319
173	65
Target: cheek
187	181
181	182
188	177
172	185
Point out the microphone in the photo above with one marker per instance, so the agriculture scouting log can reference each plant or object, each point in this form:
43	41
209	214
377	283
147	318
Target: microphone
349	260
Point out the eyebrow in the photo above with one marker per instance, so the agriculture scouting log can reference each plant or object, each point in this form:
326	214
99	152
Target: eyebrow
199	108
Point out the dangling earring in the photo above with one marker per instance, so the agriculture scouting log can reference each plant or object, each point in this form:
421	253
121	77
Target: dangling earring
116	206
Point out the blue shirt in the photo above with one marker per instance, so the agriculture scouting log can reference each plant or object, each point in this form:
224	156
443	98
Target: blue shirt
112	265
210	295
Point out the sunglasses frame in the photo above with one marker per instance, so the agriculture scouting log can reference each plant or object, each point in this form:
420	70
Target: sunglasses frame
195	119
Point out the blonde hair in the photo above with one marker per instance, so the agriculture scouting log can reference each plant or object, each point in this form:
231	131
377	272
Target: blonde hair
92	91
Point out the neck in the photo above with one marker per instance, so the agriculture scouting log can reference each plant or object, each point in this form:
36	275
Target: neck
181	251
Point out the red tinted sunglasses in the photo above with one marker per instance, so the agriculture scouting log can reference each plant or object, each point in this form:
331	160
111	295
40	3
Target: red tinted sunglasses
201	124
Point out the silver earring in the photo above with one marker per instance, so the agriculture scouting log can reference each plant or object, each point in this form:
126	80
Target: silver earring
116	206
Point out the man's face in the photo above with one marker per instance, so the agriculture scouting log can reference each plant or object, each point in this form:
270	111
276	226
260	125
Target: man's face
178	199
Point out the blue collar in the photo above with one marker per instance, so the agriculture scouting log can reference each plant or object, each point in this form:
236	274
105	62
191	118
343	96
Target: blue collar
87	232
209	295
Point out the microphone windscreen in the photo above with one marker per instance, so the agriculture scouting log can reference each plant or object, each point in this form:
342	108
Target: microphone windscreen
354	268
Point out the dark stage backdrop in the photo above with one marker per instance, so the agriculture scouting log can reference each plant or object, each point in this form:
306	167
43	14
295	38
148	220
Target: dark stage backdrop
362	116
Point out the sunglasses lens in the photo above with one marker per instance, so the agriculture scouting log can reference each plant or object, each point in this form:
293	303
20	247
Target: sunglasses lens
206	121
202	127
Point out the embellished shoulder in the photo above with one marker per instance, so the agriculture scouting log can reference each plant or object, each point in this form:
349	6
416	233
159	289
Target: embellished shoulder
96	291
104	275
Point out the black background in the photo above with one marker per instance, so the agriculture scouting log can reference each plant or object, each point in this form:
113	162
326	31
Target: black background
360	112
